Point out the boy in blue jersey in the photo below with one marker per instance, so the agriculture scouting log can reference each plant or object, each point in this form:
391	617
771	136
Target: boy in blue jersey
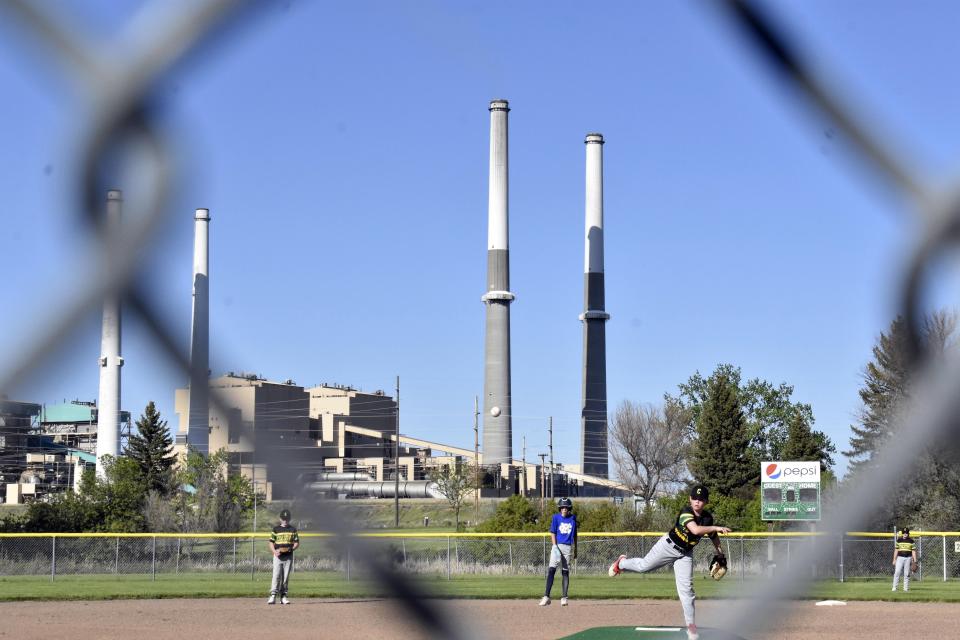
563	535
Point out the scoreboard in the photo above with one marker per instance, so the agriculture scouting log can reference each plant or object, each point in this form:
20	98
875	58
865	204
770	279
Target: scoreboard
789	490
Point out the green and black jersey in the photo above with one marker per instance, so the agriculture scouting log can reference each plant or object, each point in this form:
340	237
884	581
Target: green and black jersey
905	546
681	536
283	539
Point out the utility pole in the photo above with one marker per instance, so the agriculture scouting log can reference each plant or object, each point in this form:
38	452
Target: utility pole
476	458
523	461
550	432
543	487
396	464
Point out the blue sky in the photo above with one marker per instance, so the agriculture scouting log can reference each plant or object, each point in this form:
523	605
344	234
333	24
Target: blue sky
341	148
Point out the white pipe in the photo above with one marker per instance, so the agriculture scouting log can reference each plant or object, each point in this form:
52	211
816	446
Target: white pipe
412	489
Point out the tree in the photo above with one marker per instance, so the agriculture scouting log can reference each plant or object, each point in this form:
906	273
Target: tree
208	498
887	381
721	457
649	445
516	513
455	483
767	409
804	444
930	493
152	449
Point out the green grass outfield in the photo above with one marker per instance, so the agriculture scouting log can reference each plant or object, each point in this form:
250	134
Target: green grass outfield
330	585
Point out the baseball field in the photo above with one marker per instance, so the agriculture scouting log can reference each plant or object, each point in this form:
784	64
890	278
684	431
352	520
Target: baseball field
327	606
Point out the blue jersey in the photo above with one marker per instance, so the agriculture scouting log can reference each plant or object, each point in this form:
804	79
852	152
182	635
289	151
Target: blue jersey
564	528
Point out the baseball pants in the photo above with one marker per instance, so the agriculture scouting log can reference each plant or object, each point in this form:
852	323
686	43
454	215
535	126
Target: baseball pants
663	554
281	575
902	568
559	557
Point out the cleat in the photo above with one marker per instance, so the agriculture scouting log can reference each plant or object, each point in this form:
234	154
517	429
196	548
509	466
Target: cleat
563	602
692	632
614	569
272	599
544	601
284	600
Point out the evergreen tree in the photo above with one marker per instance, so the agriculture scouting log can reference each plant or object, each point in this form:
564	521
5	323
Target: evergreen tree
768	410
885	387
930	493
803	443
721	457
152	449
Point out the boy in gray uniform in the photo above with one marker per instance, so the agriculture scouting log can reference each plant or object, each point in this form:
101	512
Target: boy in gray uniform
904	559
676	548
284	539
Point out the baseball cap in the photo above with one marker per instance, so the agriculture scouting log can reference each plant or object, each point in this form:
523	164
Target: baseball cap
700	492
905	531
285	514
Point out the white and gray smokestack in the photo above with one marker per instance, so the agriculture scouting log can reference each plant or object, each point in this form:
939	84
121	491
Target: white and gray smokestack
593	416
198	426
497	402
108	402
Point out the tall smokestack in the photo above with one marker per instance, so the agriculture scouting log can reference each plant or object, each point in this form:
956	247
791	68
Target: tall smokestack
198	426
108	402
593	416
497	402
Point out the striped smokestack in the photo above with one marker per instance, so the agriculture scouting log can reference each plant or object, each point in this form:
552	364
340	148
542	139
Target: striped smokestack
593	416
108	403
497	402
198	426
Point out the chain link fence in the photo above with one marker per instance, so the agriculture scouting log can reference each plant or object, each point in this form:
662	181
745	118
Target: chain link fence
848	557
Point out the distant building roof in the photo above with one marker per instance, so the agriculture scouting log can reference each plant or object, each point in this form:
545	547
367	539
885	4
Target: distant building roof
71	412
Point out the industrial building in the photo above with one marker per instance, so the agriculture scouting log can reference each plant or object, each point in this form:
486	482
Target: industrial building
46	449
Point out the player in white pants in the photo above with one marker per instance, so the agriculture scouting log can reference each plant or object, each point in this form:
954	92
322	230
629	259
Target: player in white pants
676	548
904	557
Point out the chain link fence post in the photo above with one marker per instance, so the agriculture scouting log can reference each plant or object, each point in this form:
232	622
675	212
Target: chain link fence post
53	558
348	563
841	557
743	560
234	555
153	559
177	561
448	557
116	558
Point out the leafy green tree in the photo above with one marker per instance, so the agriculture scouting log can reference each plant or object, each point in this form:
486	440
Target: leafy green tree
516	513
207	497
152	449
721	456
767	410
455	483
111	504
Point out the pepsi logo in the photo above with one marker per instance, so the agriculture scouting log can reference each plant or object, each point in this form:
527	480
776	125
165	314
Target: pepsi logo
773	472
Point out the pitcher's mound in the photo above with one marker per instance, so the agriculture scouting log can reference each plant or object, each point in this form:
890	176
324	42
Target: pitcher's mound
648	633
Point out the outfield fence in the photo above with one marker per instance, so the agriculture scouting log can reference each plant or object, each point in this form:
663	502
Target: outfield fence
855	555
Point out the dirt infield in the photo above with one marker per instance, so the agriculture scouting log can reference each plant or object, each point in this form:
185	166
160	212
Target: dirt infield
253	619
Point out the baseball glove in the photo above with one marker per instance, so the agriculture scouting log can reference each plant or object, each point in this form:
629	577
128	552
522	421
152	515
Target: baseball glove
718	566
913	567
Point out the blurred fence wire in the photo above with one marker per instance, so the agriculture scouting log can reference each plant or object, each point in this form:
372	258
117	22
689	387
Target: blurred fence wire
931	417
116	83
850	556
117	80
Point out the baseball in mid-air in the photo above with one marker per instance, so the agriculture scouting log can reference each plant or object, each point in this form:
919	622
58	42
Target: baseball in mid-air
494	411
